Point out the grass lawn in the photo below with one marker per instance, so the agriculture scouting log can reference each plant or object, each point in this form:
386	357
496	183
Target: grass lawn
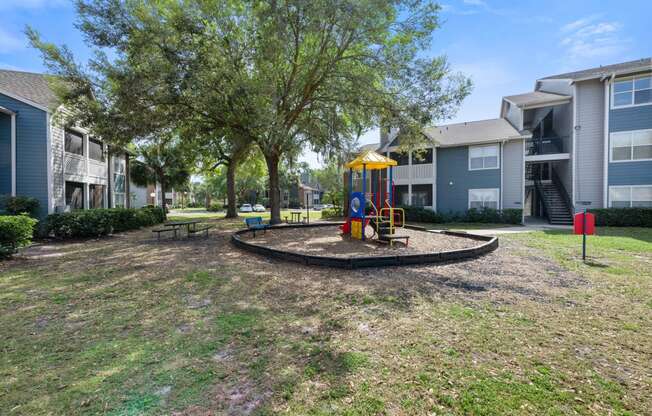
460	225
127	326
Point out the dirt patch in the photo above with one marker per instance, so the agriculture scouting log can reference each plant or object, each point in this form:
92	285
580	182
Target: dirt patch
328	241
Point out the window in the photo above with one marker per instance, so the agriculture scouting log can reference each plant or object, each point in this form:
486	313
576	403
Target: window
119	186
96	196
422	195
75	195
401	195
483	198
631	145
483	157
403	159
638	196
74	142
423	157
632	91
95	150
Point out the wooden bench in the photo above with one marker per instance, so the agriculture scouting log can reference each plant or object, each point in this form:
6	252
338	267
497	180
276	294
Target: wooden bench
158	231
203	228
393	237
256	224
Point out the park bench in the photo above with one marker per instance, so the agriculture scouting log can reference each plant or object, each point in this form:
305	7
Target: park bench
256	224
158	231
203	228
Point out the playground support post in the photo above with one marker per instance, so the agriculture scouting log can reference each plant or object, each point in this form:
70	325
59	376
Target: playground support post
350	194
364	197
389	186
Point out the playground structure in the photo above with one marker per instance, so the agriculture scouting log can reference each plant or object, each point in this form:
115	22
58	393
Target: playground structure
371	200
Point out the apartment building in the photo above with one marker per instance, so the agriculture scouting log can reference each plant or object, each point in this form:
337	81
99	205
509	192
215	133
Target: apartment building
580	140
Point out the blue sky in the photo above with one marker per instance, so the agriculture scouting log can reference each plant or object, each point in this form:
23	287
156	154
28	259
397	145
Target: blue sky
504	46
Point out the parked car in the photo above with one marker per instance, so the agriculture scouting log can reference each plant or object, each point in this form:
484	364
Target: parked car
318	207
329	206
259	208
246	208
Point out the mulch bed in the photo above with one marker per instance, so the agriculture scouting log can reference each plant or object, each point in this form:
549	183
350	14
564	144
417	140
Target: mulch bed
327	241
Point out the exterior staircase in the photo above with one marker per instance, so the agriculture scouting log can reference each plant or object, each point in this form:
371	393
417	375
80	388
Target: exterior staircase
557	209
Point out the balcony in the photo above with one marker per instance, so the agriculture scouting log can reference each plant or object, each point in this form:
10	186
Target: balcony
545	148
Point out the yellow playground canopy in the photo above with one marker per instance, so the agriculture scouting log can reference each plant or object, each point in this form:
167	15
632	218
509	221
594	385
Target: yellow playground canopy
371	161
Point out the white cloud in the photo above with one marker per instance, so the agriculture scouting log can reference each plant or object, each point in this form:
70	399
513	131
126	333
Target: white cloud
10	42
590	37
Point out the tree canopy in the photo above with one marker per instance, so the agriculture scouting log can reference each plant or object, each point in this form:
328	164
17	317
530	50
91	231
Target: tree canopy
279	74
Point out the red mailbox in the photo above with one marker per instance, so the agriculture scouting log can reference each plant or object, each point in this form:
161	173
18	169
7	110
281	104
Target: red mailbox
579	222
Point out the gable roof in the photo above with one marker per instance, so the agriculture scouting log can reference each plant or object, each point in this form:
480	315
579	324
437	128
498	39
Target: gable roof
473	132
607	70
31	87
537	98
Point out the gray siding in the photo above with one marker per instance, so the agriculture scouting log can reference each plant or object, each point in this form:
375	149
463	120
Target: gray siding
5	154
589	140
626	119
515	116
453	166
513	166
556	86
31	151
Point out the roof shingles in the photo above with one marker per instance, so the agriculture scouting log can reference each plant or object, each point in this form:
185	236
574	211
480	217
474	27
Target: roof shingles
28	86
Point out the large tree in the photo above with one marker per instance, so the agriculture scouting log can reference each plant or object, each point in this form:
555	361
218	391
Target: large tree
162	161
282	74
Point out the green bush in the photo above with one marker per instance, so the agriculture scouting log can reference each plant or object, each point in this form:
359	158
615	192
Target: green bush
485	215
335	212
623	217
16	205
99	222
215	207
15	231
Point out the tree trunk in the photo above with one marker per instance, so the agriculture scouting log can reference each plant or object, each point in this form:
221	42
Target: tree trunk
231	211
163	202
274	189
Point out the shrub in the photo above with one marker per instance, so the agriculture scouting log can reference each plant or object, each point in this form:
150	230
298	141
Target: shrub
99	222
335	212
215	207
15	231
623	217
485	215
16	205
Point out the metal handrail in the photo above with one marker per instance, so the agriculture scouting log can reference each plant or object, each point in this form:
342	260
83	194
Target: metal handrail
560	185
538	188
392	212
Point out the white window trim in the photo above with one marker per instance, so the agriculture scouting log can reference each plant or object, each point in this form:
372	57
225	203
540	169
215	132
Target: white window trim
630	187
496	190
613	92
496	145
611	148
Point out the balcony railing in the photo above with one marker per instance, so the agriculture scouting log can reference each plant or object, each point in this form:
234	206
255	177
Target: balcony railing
544	146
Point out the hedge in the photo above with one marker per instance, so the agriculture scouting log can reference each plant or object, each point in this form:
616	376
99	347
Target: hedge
623	217
16	205
485	215
15	231
335	212
99	222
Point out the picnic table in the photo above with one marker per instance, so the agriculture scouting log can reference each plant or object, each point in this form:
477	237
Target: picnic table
191	225
175	227
295	217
